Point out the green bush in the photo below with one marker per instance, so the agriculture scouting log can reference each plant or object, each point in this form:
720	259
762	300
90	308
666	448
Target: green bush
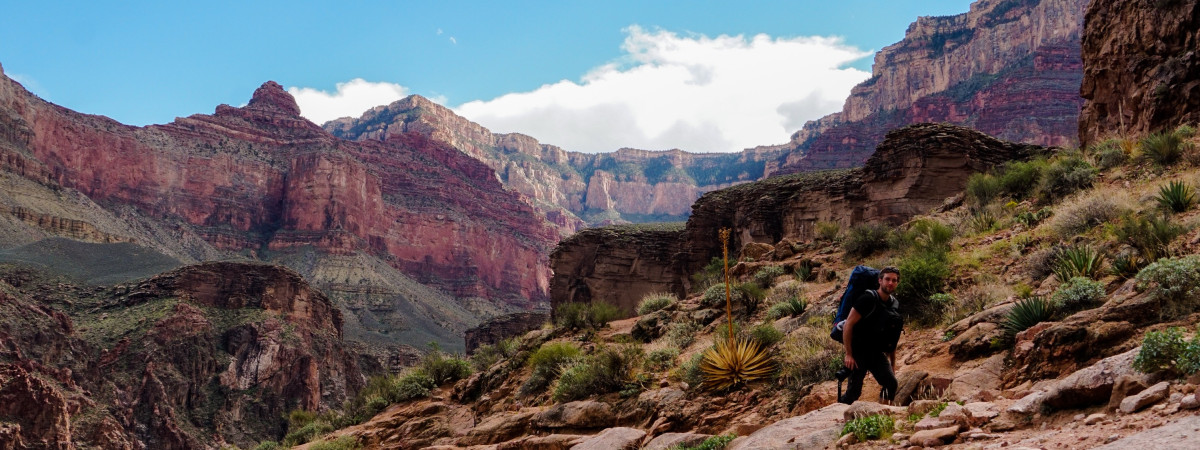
866	239
712	443
413	385
585	315
1176	197
661	359
1064	177
876	426
689	371
1080	261
487	355
766	276
1077	294
1078	215
752	296
982	221
714	296
786	290
1150	236
806	271
920	277
681	334
791	307
809	356
1126	265
1174	282
828	231
1109	154
267	445
926	236
306	433
546	363
603	372
1032	218
766	334
1025	314
983	188
654	302
1163	148
712	273
341	443
1166	350
1021	177
444	368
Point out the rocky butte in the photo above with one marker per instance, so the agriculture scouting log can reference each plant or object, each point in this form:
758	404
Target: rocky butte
415	240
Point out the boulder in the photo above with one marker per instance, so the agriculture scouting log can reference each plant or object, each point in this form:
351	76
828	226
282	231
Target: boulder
1128	384
981	412
1091	385
1020	413
977	380
666	441
551	442
756	250
922	407
1150	396
863	409
934	423
907	384
582	414
500	427
816	429
956	413
935	437
621	438
650	326
977	341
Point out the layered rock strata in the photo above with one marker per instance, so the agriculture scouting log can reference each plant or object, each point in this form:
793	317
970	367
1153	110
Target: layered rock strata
915	169
1141	67
499	328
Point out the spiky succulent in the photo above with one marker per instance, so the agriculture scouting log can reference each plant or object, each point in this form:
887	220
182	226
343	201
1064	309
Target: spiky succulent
1082	261
1026	313
733	363
1176	196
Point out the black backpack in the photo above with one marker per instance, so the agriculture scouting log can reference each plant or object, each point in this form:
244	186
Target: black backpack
862	279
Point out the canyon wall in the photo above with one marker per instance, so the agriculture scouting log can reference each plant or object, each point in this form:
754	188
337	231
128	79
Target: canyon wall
1141	67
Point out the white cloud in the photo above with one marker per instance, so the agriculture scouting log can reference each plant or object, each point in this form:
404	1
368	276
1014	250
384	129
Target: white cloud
695	93
453	40
351	99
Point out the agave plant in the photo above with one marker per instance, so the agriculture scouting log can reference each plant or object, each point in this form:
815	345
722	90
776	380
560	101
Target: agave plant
791	307
1026	313
1176	196
1083	261
734	361
1164	148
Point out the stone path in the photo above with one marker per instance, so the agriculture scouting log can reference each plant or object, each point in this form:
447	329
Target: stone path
1182	434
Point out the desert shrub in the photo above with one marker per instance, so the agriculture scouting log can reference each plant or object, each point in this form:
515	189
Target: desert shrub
721	332
921	276
982	221
791	307
784	291
731	364
1176	197
809	356
1082	213
546	362
1077	294
766	276
1040	262
306	433
1150	236
752	296
712	443
875	426
1021	177
607	370
1031	218
1126	265
267	445
1064	177
341	443
712	273
1175	282
487	355
681	334
689	371
971	300
660	359
1109	154
806	271
766	334
1166	350
1185	131
714	297
1026	313
828	231
924	236
1078	261
585	315
654	302
1163	148
412	385
444	368
983	188
865	239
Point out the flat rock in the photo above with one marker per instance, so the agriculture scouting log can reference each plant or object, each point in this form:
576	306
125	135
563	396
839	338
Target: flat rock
551	442
1095	418
981	412
1190	401
1126	386
1091	385
864	409
1150	396
620	438
499	428
935	437
974	379
933	423
667	440
1182	434
817	429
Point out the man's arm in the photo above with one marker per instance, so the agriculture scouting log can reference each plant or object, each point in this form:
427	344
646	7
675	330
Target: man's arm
848	337
892	357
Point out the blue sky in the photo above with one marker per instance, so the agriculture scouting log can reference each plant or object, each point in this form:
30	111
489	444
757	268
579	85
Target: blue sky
585	75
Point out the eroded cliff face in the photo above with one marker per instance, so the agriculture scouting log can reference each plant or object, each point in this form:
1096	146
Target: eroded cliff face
1008	68
570	189
261	181
201	356
1141	67
916	169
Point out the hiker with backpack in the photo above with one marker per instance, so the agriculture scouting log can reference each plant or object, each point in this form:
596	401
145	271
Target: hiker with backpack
870	331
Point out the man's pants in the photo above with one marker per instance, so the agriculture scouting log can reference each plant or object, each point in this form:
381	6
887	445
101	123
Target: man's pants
877	363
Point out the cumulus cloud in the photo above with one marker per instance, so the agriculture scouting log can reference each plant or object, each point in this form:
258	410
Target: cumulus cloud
693	92
351	99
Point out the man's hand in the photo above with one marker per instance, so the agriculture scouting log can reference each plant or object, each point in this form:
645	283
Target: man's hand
849	362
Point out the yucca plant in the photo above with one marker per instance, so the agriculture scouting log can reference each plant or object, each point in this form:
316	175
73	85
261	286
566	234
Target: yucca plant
733	361
1176	196
1164	147
791	307
1083	261
1127	265
1150	236
1026	313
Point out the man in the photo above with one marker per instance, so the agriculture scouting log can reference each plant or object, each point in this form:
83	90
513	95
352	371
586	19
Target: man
870	335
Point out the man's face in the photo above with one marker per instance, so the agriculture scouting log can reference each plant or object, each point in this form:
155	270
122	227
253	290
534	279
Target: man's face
888	282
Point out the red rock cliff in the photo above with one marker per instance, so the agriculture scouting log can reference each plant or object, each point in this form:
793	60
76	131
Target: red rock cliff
1141	67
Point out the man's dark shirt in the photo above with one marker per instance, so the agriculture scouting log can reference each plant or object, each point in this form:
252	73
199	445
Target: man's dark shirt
877	330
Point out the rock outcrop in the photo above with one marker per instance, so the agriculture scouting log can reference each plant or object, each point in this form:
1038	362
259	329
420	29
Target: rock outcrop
1008	68
193	358
416	239
499	328
617	265
1141	67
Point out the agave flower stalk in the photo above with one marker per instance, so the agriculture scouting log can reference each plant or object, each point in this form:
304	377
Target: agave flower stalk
728	291
735	361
